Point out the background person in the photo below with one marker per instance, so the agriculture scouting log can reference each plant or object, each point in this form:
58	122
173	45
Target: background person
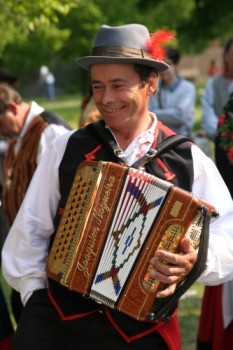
89	112
6	326
47	81
174	102
124	68
213	69
11	79
29	129
216	319
216	94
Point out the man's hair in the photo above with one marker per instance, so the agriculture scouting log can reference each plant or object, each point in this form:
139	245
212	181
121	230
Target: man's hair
7	95
145	72
172	54
228	45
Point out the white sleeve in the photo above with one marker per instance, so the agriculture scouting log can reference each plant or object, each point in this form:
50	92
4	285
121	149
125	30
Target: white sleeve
49	134
25	250
209	186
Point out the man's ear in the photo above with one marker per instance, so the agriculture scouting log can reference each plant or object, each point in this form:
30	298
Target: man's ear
13	107
151	84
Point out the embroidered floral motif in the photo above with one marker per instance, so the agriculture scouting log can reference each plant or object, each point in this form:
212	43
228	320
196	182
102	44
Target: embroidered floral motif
143	148
225	129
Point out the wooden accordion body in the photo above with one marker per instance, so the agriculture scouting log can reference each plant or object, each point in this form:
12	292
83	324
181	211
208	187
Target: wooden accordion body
114	220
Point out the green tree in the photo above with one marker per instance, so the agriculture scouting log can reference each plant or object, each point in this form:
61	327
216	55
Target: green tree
29	30
57	32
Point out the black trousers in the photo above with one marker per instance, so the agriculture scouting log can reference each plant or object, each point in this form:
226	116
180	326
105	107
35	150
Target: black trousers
41	328
16	304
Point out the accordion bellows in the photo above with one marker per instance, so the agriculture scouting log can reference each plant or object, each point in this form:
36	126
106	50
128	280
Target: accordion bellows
115	219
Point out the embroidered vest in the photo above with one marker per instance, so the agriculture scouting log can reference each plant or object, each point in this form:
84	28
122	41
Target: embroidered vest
175	165
20	169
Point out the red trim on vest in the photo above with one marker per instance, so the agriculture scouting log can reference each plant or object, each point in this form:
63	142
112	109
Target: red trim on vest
91	155
171	333
67	318
136	336
6	343
160	126
164	329
61	211
168	174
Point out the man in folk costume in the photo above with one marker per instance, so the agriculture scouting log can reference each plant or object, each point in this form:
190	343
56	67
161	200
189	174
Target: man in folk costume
6	326
215	325
124	66
215	329
29	129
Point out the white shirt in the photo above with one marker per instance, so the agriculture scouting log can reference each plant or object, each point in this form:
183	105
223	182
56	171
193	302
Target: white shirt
25	251
46	75
48	135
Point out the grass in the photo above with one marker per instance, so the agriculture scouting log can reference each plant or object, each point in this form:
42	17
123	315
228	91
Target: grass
69	107
189	311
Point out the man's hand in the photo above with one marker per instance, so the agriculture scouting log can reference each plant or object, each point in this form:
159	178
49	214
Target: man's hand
174	268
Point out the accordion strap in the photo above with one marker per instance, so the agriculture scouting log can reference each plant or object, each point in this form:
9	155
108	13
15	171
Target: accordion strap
104	135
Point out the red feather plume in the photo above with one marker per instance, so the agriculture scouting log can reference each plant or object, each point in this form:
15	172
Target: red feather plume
157	40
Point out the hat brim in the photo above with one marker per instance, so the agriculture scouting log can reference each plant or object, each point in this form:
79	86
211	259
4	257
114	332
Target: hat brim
87	61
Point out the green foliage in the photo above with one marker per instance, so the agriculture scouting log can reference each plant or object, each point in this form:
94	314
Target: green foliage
29	33
56	32
33	52
21	17
165	13
208	20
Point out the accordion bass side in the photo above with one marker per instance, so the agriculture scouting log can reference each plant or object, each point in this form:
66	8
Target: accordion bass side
114	221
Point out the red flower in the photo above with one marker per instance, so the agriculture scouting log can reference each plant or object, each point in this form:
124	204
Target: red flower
224	134
221	119
230	154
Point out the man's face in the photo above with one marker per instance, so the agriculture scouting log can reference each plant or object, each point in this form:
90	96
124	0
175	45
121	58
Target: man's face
8	123
119	95
169	75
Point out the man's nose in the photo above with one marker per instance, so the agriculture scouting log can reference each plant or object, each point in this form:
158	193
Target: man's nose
107	96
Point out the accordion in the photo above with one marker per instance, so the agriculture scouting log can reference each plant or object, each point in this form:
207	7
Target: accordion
115	219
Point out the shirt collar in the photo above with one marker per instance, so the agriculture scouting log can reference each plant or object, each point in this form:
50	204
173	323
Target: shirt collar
174	85
34	110
146	135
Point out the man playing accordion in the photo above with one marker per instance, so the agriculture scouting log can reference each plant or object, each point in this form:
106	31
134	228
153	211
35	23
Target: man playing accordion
124	70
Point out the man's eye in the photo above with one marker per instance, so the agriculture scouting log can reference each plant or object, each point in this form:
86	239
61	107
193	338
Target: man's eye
97	87
118	86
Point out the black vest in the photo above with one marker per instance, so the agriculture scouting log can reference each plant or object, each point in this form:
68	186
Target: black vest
82	145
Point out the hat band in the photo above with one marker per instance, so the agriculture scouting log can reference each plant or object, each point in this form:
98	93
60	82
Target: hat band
120	51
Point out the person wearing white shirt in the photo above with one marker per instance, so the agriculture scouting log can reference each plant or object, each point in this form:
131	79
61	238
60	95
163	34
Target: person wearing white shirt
47	80
28	129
